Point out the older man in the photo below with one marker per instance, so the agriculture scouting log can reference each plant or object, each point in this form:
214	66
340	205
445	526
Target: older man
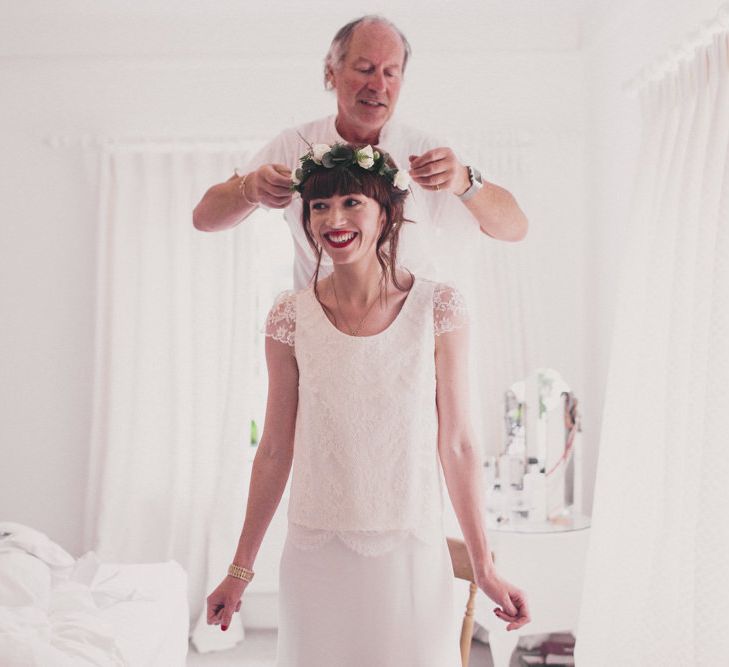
365	67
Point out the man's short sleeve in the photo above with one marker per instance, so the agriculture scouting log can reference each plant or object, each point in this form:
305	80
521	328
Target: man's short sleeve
280	150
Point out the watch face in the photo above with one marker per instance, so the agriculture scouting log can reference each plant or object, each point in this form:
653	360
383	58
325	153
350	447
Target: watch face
476	175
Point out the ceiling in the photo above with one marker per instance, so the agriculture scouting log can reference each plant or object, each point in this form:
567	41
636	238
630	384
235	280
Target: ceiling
235	27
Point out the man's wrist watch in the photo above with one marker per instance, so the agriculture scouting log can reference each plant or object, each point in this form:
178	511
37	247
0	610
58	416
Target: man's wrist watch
474	176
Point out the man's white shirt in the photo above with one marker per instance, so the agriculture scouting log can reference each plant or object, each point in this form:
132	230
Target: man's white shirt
429	211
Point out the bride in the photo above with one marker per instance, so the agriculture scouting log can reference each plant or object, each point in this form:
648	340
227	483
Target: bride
368	405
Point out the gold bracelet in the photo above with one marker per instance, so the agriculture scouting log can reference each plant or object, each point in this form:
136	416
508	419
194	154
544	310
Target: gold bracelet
240	572
242	188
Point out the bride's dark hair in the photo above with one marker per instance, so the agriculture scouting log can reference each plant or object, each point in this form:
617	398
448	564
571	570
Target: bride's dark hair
325	183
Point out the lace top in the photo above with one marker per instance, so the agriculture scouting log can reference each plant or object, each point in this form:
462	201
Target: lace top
366	466
449	313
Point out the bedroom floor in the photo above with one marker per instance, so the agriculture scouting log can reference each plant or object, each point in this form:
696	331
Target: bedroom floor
259	650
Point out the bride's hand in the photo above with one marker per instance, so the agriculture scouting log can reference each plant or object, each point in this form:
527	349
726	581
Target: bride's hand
224	601
514	609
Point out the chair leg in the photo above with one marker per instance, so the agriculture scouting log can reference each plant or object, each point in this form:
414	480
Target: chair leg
467	626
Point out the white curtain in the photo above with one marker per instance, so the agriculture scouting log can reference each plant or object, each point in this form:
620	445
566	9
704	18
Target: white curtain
177	361
498	280
506	327
657	578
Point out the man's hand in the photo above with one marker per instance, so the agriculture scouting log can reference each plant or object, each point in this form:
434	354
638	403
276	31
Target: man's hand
439	169
270	185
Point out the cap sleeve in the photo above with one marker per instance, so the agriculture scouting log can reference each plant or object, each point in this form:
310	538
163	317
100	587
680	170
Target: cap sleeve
449	309
281	320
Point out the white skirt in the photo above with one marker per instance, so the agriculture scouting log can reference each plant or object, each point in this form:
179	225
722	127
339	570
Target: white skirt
339	608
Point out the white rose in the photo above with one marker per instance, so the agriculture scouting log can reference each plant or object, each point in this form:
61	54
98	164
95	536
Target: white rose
401	180
317	152
365	157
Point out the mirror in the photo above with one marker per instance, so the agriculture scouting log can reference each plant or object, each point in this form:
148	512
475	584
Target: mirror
538	475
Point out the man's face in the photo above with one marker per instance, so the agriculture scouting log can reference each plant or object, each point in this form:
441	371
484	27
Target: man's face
368	81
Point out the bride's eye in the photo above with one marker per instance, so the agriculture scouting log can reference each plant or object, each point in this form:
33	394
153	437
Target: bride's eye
352	201
317	206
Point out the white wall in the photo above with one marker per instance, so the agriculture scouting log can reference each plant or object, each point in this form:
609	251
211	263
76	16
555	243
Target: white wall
186	69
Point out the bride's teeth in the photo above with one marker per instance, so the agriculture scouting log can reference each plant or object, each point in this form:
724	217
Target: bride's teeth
340	238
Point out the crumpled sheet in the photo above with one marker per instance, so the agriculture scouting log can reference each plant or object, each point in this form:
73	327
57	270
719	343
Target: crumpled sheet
70	630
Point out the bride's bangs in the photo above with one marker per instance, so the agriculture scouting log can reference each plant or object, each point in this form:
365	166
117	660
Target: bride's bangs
338	182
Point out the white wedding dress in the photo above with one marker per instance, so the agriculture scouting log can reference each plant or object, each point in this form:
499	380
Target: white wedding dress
365	577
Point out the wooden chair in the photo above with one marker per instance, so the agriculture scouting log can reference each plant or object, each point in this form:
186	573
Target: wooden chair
462	569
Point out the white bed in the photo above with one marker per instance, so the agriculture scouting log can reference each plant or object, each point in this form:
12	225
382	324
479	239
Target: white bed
56	610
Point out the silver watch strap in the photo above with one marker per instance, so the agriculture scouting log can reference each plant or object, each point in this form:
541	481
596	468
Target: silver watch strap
476	184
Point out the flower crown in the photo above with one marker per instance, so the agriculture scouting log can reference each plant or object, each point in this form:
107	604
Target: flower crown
323	156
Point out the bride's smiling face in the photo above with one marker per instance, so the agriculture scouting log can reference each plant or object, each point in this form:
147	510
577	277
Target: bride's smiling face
346	226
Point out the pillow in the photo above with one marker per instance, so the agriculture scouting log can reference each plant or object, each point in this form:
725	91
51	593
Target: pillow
16	536
24	580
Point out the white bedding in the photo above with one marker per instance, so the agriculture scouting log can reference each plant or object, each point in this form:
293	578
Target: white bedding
57	611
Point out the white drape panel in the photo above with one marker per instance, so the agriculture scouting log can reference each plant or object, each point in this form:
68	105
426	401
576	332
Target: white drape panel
503	333
498	281
657	582
176	343
505	327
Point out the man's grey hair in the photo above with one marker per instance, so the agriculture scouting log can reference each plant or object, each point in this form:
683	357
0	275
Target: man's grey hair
340	44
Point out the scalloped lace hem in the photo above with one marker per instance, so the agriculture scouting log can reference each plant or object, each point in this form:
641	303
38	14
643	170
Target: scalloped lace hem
363	542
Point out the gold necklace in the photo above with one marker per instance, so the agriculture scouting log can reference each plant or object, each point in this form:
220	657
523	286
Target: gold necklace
354	332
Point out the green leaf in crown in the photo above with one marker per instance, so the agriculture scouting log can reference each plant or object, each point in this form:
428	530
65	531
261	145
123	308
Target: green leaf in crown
339	155
323	156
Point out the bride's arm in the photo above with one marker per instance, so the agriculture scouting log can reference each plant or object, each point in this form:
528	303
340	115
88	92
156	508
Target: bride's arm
463	472
457	446
272	463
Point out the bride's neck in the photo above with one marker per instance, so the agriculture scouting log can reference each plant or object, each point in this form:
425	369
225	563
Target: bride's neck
357	287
